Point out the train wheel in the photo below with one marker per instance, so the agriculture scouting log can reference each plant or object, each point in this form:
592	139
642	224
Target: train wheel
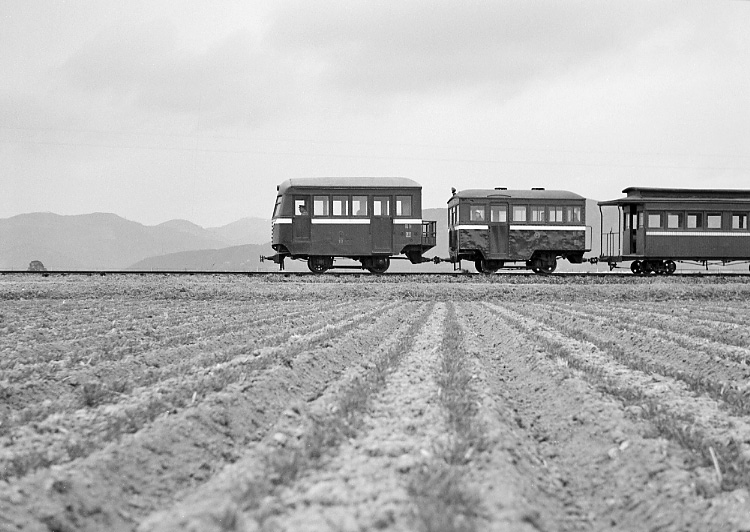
319	264
636	267
670	267
489	266
378	264
478	265
546	269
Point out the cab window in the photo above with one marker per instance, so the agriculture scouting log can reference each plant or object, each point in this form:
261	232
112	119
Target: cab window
277	206
403	205
300	207
476	213
320	206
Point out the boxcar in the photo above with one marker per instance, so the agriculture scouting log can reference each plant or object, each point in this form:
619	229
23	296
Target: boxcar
500	228
369	220
658	227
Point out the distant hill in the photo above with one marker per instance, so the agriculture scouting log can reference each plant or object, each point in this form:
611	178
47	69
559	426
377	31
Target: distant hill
107	241
244	258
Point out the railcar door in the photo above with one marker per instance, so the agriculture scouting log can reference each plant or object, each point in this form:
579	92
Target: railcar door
381	225
639	242
499	230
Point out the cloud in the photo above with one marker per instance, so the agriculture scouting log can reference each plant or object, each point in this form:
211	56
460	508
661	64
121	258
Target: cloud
429	46
144	70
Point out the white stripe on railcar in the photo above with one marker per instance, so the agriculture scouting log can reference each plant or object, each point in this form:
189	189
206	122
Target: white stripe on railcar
340	221
281	221
547	227
696	233
416	221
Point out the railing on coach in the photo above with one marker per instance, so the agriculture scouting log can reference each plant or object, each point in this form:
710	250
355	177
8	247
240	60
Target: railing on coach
429	233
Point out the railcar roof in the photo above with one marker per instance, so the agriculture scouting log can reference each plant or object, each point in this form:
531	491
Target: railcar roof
517	194
348	182
667	195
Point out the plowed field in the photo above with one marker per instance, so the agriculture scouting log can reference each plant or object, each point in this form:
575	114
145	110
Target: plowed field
374	403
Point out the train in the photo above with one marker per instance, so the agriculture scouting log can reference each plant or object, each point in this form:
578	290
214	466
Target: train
373	220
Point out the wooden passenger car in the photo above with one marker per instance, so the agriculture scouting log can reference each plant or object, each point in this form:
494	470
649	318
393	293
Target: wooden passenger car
500	228
369	220
658	227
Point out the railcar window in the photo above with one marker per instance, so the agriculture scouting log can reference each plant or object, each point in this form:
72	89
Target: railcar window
573	214
538	214
340	206
381	206
300	206
277	206
320	205
739	221
674	220
519	213
499	213
476	213
555	213
403	205
713	221
695	220
654	219
359	205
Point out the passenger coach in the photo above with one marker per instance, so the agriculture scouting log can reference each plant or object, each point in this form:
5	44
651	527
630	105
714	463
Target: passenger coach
369	220
497	228
658	227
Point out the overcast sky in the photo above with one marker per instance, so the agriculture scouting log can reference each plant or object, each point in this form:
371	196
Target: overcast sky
155	110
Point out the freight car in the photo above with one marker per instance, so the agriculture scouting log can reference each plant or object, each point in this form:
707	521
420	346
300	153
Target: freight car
369	220
501	228
658	227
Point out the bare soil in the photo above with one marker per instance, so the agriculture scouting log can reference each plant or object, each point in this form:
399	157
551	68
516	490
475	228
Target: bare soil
374	403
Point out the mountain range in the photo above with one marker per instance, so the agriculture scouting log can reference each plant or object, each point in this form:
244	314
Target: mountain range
102	241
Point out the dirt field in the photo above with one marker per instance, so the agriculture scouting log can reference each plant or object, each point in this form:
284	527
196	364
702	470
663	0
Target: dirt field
374	403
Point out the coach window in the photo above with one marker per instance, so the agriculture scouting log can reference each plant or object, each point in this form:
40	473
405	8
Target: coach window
538	214
359	205
499	213
381	206
713	221
555	213
739	221
403	205
654	220
573	214
476	213
695	220
320	206
519	213
341	206
277	207
674	220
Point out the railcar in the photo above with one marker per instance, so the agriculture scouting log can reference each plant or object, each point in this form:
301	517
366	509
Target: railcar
527	229
658	227
369	220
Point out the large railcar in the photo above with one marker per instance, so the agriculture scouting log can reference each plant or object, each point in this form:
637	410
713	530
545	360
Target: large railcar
529	229
369	220
658	227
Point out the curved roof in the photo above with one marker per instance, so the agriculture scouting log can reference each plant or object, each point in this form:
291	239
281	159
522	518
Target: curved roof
348	182
637	195
518	194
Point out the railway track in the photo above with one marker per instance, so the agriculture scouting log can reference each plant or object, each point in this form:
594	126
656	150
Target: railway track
356	273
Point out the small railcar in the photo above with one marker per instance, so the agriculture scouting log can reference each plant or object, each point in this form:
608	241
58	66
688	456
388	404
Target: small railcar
501	228
369	220
658	227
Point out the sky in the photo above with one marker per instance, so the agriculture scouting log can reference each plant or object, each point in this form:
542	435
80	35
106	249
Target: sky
156	110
